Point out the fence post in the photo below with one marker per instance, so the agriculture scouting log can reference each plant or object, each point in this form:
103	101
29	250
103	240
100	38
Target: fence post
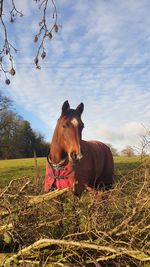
36	173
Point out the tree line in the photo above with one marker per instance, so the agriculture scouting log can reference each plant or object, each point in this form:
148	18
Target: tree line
17	138
128	151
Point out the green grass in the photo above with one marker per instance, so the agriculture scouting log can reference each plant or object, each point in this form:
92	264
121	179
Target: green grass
123	165
17	168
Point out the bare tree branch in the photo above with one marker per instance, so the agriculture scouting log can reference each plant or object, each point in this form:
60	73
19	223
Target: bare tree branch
45	33
7	50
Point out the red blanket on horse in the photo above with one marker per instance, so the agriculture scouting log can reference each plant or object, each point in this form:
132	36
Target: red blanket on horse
58	177
95	169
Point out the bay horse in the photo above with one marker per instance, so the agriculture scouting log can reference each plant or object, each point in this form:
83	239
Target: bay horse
73	162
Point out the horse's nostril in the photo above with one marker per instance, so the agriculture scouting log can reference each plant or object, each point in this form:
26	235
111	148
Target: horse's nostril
73	156
79	156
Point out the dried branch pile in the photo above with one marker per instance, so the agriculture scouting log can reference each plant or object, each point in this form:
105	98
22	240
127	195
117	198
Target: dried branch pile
57	229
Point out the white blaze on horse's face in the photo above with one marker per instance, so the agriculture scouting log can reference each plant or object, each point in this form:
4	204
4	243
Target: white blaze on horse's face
74	122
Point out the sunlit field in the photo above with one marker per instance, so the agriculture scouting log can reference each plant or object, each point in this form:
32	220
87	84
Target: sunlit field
18	168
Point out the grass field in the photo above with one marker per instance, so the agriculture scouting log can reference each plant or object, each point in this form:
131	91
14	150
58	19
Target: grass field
17	168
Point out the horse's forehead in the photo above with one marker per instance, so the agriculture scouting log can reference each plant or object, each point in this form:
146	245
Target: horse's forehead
74	122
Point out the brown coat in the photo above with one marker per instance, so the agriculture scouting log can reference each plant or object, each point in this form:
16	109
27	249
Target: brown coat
96	168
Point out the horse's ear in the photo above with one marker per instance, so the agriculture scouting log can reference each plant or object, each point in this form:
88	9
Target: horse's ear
65	106
80	108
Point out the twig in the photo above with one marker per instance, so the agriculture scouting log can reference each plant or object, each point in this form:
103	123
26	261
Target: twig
45	197
43	243
123	223
6	227
45	32
34	200
36	174
10	184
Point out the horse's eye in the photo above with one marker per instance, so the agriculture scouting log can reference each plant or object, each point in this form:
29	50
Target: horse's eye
65	126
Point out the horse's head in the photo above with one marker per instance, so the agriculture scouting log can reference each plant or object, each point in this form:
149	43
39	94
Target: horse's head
69	131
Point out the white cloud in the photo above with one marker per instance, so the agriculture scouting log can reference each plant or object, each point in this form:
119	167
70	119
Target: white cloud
92	59
25	6
128	134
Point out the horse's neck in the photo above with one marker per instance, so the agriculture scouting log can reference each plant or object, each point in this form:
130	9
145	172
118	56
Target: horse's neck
55	149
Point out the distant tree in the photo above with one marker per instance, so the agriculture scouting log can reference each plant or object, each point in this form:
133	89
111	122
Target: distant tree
7	134
128	152
144	148
28	139
113	150
5	102
41	146
6	123
17	138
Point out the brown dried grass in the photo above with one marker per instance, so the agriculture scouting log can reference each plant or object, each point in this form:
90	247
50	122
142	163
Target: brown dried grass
58	229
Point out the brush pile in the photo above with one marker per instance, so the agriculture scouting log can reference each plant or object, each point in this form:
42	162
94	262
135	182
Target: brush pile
58	229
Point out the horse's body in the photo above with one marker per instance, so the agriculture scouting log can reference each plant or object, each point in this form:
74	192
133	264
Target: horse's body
87	163
95	168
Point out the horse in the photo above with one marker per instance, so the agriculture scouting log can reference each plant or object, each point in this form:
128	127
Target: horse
73	162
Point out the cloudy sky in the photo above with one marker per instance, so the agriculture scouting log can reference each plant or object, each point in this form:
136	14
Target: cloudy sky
100	56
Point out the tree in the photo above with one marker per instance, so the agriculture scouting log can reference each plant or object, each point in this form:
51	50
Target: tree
145	143
8	146
113	150
17	138
45	32
24	140
41	146
128	152
6	119
5	102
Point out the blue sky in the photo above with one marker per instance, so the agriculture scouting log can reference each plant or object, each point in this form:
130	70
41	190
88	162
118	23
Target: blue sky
100	56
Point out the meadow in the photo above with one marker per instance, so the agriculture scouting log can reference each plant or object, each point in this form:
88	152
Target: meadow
18	168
